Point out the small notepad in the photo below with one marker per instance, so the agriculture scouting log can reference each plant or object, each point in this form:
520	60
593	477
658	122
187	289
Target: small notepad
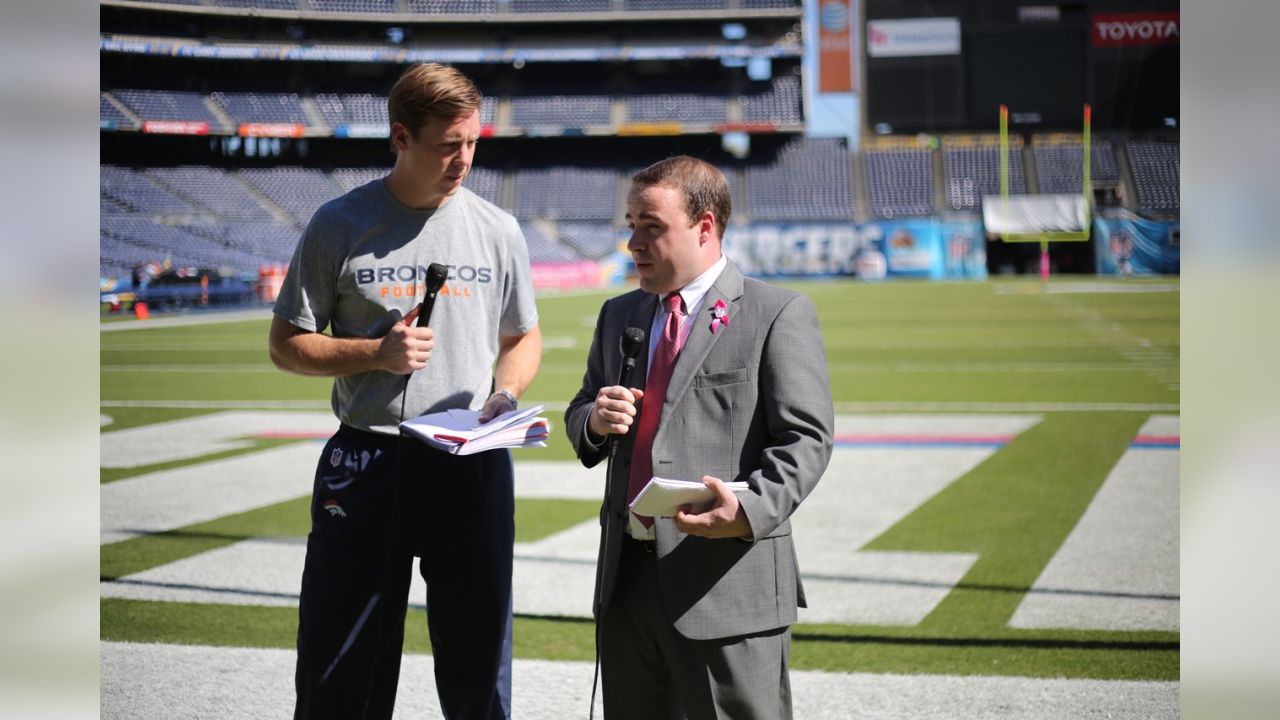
662	497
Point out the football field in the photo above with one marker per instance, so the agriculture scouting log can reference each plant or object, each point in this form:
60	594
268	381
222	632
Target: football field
996	536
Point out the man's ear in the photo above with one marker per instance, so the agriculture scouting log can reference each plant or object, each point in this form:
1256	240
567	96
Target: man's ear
707	227
399	136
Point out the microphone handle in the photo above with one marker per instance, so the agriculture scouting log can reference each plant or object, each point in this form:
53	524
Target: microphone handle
424	310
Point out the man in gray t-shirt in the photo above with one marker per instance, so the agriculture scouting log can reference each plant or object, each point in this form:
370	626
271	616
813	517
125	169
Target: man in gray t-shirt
380	499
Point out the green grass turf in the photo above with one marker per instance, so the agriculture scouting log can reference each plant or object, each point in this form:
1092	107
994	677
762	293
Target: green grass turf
1000	341
1104	655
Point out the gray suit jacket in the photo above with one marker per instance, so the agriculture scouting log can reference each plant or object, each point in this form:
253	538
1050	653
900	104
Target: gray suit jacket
750	402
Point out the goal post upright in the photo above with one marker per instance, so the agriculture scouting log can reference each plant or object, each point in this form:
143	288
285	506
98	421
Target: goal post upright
1047	231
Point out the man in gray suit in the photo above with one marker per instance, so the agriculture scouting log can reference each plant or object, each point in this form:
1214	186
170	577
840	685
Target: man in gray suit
694	611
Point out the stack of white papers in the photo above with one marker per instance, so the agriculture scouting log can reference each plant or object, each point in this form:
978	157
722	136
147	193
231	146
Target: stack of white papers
460	431
661	497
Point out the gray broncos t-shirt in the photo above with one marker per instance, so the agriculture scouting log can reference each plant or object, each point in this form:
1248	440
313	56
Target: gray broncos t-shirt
361	265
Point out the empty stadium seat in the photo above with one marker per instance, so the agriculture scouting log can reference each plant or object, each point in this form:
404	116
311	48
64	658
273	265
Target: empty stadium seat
566	193
298	191
682	107
1060	166
1156	169
262	107
561	110
167	105
899	181
970	173
777	104
808	180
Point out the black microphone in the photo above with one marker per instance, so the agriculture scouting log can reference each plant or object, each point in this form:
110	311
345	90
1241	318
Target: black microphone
631	343
436	274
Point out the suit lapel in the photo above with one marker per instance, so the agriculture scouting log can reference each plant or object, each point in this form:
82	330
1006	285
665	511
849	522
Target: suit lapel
728	287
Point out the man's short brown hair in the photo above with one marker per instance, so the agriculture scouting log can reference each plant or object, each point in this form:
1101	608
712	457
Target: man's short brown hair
429	90
702	184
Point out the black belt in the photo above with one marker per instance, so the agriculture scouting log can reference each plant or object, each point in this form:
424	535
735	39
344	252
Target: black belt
646	546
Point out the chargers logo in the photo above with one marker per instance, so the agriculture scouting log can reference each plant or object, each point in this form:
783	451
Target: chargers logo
335	510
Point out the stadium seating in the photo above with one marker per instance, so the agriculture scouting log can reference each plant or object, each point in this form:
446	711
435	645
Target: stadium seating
298	191
262	107
684	107
542	248
220	192
970	173
591	240
651	5
778	104
355	109
354	6
1156	169
809	180
899	181
561	6
561	110
1060	166
134	192
453	7
349	179
259	4
566	193
168	105
107	110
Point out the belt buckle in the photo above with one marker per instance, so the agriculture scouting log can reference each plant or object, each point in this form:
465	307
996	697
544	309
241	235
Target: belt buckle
650	547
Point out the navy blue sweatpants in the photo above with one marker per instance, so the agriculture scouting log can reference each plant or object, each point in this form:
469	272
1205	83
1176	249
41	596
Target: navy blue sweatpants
378	501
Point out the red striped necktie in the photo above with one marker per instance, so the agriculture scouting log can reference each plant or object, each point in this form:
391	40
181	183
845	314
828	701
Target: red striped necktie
655	389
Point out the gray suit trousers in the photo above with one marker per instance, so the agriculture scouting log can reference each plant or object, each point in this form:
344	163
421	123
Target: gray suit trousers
651	671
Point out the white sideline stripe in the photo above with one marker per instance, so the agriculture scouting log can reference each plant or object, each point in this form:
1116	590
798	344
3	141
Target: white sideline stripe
995	367
1014	407
219	404
983	343
560	405
850	367
1070	288
1119	567
206	318
151	682
203	435
194	368
170	499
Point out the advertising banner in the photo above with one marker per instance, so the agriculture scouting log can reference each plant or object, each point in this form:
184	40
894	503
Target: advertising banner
1134	246
175	127
835	49
770	250
913	38
924	248
964	246
1135	29
282	130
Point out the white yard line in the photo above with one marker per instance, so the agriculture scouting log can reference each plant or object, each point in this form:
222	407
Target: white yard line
154	682
1118	569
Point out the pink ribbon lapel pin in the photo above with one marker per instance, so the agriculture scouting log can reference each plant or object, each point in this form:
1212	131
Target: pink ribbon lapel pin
719	316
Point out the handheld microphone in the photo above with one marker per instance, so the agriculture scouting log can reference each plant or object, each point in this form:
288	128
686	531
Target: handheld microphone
436	275
630	343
